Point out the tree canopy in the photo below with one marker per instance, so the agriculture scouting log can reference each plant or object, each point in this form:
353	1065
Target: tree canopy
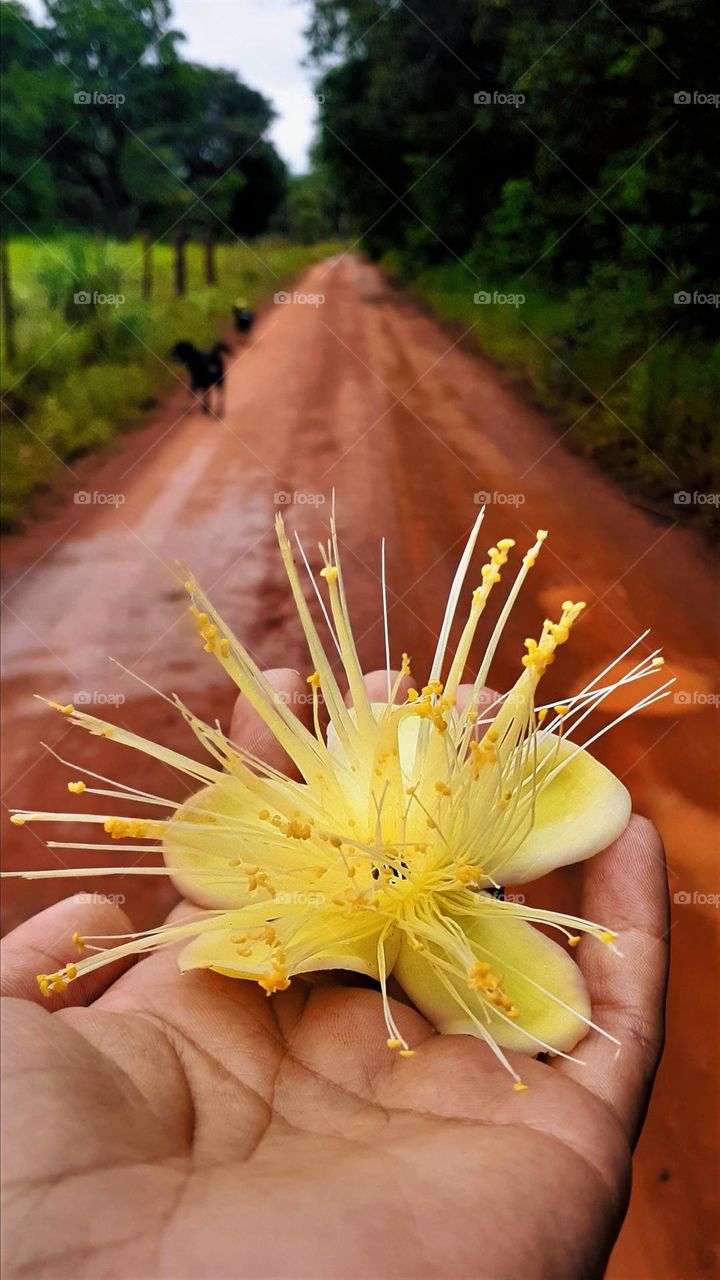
535	136
108	127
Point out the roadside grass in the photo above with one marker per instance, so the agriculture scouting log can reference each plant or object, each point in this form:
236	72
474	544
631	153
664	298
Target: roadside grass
83	371
646	412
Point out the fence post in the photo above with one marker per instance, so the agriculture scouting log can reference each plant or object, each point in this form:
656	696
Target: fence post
210	271
8	309
180	275
147	273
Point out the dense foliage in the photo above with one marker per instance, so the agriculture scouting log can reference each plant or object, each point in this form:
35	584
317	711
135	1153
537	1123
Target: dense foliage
107	127
541	150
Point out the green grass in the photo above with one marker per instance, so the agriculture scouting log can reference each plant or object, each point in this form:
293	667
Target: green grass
81	373
659	414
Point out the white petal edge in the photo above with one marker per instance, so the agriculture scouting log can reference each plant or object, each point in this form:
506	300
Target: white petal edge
579	813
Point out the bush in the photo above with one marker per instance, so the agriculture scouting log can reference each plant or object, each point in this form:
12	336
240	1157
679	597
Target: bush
653	424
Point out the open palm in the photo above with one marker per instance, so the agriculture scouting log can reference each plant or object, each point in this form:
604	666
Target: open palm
176	1125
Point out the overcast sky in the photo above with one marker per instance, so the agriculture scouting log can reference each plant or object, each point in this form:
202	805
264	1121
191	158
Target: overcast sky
262	40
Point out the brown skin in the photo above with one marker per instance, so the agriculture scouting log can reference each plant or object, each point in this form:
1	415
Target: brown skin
174	1125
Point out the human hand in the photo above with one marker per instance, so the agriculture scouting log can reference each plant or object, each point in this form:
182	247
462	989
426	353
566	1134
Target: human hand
184	1125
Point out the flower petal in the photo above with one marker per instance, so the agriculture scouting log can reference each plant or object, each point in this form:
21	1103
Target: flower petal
408	735
213	811
319	944
521	956
577	814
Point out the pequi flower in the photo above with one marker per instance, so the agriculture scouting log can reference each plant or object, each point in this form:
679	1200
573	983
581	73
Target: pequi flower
390	853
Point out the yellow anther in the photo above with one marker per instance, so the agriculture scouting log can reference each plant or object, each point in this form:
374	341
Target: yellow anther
573	941
313	680
329	573
275	981
562	709
71	971
407	1053
442	788
297	830
119	828
76	788
519	1087
607	936
394	1043
78	941
264	814
66	710
18	820
470	875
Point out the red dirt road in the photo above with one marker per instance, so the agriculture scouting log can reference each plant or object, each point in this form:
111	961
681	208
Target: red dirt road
368	395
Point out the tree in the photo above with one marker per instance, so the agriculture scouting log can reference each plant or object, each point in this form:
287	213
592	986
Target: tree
129	134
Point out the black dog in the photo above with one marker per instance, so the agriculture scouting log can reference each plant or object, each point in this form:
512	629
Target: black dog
206	369
243	318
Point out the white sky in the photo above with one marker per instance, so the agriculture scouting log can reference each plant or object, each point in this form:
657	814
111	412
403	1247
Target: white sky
262	40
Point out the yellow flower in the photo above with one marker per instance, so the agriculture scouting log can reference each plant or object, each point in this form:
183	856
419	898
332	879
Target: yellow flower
390	853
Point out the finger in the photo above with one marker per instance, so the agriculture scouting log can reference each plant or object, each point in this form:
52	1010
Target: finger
45	944
626	888
377	682
249	730
487	701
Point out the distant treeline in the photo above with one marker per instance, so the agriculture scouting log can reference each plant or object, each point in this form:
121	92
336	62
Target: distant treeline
566	152
107	127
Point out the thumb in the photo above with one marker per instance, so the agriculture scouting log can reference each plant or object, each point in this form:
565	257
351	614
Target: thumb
45	944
